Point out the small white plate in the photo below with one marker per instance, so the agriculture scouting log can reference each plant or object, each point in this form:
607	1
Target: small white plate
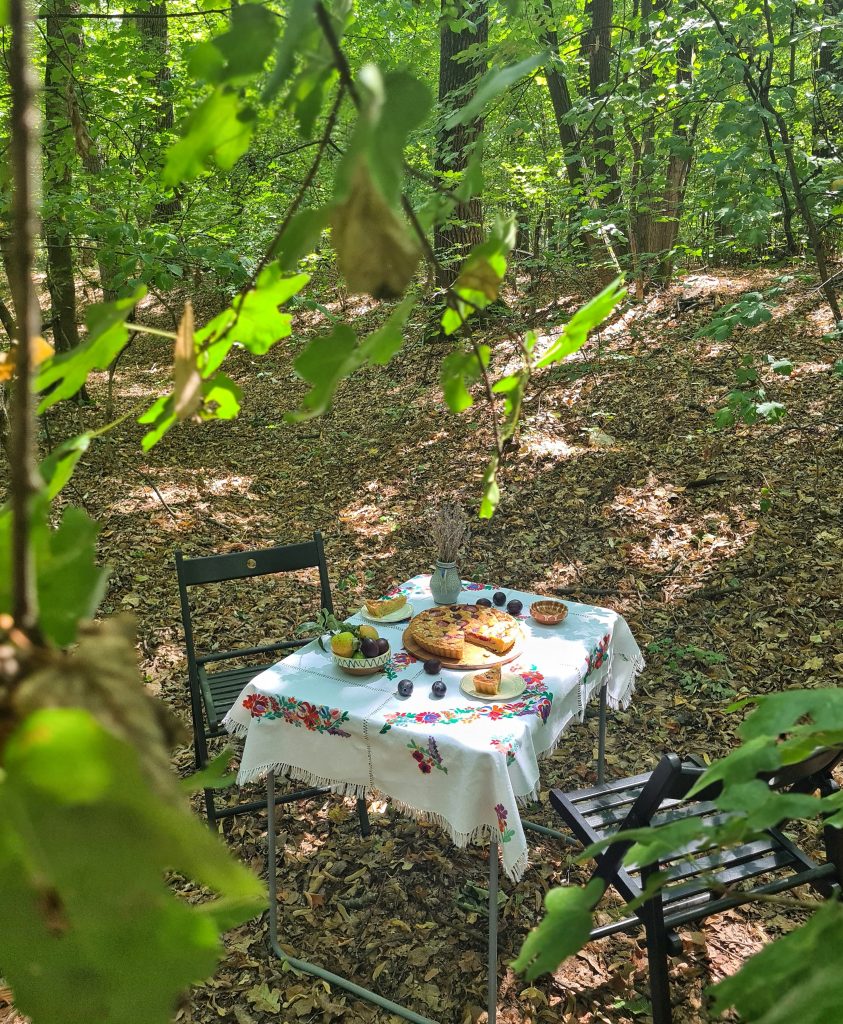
512	686
397	616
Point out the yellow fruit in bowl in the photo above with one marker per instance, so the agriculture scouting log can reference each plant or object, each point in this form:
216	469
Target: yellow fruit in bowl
368	631
342	644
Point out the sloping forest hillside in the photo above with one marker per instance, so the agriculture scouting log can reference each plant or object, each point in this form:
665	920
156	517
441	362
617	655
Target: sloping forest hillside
318	266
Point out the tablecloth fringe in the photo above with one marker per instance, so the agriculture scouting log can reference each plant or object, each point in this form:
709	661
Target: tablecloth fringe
235	728
259	773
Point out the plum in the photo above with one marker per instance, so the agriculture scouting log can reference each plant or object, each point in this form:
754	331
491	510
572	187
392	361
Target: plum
383	645
484	602
432	666
499	598
405	687
369	647
514	607
439	688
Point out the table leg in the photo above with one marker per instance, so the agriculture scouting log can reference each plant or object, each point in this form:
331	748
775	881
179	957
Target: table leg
492	998
303	965
601	736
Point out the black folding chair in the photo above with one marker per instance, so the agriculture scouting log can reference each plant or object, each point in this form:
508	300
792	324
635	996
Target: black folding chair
212	693
699	882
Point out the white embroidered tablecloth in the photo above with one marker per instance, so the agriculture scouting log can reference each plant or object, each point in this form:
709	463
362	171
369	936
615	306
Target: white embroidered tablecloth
464	763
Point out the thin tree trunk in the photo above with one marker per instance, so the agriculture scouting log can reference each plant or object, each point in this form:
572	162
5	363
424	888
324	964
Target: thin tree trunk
23	475
154	32
454	145
61	282
828	105
599	42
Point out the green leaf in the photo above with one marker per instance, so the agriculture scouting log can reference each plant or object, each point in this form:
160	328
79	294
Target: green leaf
300	23
248	44
837	369
68	581
782	366
772	411
260	325
405	105
490	494
492	84
563	931
797	977
84	849
302	235
221	398
385	342
162	416
57	468
480	276
215	774
4	12
575	332
65	373
323	364
219	128
459	370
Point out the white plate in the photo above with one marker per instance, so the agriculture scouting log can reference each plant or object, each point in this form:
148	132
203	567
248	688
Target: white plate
397	616
512	686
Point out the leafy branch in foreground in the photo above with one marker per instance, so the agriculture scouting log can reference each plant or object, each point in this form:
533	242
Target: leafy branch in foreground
783	730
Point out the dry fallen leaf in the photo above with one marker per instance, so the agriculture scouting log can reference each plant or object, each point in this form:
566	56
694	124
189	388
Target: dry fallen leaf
187	383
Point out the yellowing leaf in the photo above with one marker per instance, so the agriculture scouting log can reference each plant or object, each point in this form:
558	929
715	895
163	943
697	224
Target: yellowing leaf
40	350
186	379
813	664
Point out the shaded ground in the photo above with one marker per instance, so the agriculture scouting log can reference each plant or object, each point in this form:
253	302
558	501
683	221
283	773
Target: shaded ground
618	483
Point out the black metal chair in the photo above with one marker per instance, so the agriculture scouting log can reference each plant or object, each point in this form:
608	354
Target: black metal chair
699	882
212	693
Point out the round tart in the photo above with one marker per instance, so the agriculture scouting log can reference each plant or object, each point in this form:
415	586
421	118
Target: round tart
445	630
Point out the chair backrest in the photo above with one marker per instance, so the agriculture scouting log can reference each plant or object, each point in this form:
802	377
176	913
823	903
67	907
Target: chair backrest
239	565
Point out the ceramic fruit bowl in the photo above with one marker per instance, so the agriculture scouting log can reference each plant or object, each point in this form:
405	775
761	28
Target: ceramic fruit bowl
548	613
363	666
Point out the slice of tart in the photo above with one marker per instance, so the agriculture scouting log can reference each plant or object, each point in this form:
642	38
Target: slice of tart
377	609
489	682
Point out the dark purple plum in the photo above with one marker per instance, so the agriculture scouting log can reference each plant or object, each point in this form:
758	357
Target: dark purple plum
514	607
439	688
369	647
383	645
405	687
432	667
484	602
499	598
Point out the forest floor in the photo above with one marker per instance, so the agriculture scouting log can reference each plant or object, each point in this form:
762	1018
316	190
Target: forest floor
722	549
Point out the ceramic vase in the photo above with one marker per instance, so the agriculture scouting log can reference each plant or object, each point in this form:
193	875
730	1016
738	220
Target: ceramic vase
445	583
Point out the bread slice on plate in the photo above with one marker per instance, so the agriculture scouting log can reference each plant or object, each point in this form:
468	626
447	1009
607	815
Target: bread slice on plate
489	682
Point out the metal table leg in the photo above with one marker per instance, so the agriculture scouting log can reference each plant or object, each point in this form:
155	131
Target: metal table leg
492	961
601	736
319	972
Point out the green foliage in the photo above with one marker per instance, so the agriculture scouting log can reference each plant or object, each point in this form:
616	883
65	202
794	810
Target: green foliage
695	669
783	729
69	585
68	907
749	311
493	83
220	128
794	978
65	373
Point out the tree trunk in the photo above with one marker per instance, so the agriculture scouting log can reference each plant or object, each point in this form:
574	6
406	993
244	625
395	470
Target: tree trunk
59	177
598	42
457	82
828	105
666	230
154	32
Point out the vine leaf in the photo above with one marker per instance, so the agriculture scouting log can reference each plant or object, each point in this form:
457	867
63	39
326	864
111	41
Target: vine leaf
563	931
63	375
66	780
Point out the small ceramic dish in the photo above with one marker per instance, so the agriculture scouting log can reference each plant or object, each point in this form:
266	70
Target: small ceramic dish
363	666
548	613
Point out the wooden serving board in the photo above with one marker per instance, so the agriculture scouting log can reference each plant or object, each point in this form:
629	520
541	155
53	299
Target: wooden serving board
473	657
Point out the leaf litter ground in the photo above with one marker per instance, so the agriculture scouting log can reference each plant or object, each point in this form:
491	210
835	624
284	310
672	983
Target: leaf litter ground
617	489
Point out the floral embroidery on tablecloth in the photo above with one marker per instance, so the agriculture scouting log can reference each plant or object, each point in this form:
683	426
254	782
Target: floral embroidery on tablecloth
535	703
595	659
427	757
502	814
508	746
400	660
477	586
300	713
